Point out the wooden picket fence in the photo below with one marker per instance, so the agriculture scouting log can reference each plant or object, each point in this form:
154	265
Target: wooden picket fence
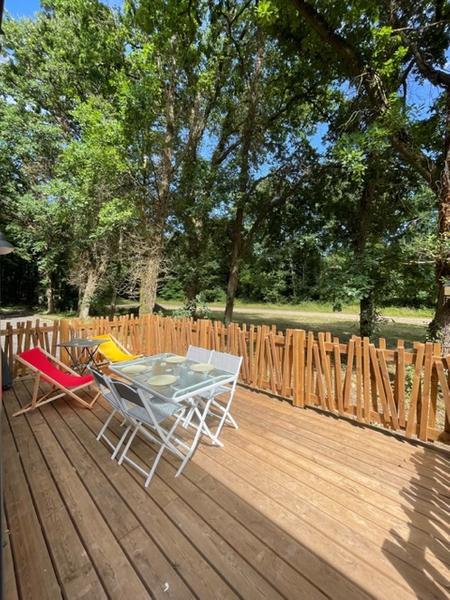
401	389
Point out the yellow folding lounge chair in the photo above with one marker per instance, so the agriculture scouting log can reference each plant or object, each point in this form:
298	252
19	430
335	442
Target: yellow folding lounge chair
112	350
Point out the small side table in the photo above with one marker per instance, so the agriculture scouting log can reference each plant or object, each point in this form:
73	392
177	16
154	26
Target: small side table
81	352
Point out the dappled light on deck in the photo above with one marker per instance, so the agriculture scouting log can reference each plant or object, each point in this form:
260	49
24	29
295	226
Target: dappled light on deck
295	505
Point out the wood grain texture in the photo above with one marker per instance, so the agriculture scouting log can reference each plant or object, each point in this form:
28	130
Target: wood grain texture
296	505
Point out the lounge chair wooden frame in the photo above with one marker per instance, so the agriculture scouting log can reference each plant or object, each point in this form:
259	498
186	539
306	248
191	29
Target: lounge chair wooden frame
37	402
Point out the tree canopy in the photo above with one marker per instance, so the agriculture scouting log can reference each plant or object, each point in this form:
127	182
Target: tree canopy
259	149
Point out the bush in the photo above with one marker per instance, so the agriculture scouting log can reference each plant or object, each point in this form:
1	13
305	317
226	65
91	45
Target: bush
197	309
216	294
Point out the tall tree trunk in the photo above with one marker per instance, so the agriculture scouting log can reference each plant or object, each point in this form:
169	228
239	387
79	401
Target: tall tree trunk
149	283
232	285
113	303
235	263
439	327
244	178
152	264
195	252
367	308
367	315
50	296
88	292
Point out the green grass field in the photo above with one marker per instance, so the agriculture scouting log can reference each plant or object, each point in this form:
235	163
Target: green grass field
319	307
341	328
324	319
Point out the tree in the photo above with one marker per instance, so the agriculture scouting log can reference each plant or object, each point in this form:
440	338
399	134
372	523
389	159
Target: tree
172	81
53	66
379	48
265	119
92	183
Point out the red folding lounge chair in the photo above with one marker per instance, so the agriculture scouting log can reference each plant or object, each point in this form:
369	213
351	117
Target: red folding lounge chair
62	379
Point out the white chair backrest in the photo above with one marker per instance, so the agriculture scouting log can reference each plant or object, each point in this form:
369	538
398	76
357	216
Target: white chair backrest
198	354
100	380
125	393
105	385
226	362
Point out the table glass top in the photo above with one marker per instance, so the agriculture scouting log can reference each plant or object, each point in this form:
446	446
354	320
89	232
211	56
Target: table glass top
80	343
169	375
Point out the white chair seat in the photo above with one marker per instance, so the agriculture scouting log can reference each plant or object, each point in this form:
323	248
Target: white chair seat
147	415
161	411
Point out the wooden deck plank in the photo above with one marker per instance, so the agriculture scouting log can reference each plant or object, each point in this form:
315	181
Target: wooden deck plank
370	502
344	506
9	582
76	573
368	564
395	471
434	506
424	548
416	463
209	545
298	523
286	548
255	552
352	435
220	553
137	544
131	536
295	505
117	574
189	563
33	565
413	555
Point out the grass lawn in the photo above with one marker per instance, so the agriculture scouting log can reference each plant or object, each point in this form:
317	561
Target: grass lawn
319	307
338	327
323	319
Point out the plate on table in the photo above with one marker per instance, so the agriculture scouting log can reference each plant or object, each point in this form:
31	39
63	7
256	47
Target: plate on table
134	369
176	359
162	380
202	368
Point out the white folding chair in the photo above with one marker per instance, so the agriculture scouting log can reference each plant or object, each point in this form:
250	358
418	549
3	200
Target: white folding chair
148	415
202	355
104	385
222	395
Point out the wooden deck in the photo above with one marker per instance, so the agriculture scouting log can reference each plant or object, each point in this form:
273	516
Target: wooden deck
296	505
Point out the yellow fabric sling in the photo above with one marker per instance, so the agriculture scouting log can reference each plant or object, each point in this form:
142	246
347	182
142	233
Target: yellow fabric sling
112	351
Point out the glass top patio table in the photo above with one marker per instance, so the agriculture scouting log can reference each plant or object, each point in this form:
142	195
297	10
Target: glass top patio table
187	382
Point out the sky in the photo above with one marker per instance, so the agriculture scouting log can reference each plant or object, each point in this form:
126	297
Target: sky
27	8
21	8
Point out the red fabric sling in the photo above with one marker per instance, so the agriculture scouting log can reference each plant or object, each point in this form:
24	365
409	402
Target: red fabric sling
39	361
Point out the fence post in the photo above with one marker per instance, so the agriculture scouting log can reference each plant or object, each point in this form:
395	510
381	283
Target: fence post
447	407
426	392
298	359
64	336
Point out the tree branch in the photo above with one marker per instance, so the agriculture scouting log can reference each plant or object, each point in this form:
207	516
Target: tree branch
373	85
344	49
436	76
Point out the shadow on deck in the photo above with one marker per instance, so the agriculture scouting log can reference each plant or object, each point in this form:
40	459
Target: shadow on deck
296	505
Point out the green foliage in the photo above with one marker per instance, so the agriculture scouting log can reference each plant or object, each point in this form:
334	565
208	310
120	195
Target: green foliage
195	308
180	132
